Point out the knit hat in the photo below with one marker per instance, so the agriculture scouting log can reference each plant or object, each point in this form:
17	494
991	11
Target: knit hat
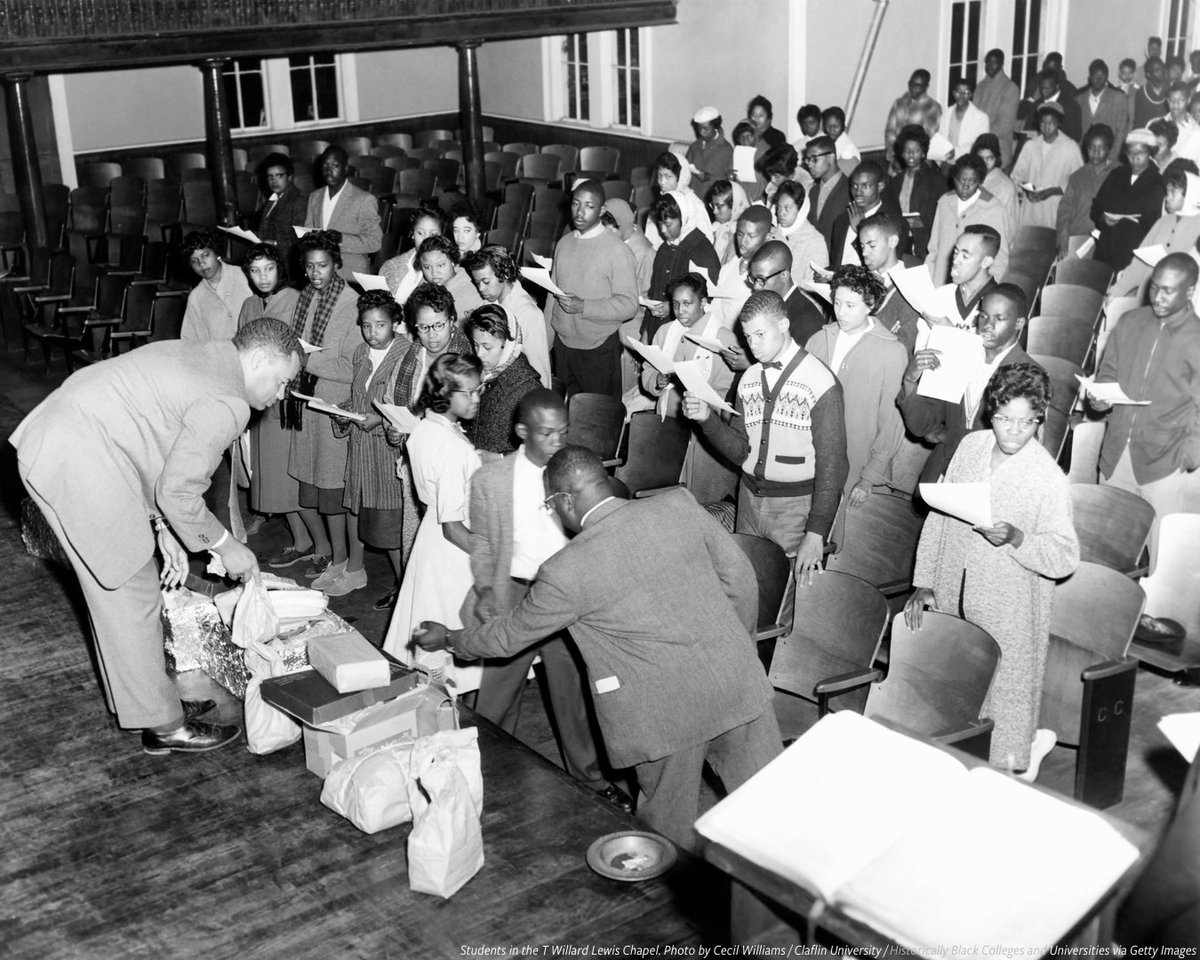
706	115
1143	136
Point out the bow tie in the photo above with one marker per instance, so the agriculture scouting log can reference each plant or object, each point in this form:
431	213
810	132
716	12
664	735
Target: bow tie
773	365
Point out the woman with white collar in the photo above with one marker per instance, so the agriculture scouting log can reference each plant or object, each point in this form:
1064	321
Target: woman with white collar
685	338
809	251
964	121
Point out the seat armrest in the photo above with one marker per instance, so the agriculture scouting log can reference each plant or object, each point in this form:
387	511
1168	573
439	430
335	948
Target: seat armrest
768	633
655	491
1109	668
830	687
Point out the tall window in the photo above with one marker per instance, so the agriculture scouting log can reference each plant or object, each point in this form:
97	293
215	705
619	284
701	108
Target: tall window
597	78
575	70
1027	41
1178	17
314	88
246	94
628	79
965	19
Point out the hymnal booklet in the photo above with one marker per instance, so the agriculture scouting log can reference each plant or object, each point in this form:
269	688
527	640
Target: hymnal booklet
902	836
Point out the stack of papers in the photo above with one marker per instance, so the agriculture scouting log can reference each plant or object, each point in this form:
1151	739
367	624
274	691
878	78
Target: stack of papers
1151	255
960	353
743	163
248	235
653	355
1107	392
915	285
399	418
323	406
708	343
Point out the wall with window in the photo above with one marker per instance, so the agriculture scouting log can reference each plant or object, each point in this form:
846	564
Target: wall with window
1111	30
400	83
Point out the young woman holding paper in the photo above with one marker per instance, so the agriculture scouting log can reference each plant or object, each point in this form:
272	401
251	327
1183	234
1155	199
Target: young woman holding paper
443	460
1001	577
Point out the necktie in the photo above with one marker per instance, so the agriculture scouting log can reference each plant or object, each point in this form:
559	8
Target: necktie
773	365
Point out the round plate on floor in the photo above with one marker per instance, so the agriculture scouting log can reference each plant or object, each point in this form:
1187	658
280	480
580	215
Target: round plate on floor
631	855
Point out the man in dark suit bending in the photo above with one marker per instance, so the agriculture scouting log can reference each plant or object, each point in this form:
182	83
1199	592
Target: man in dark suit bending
662	605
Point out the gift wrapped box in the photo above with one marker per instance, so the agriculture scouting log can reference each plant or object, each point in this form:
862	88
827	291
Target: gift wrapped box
40	541
195	638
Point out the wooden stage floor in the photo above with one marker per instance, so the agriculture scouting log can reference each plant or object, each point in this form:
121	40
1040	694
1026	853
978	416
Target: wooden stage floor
112	853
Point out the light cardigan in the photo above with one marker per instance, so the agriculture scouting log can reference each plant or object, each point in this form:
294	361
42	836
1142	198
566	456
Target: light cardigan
213	309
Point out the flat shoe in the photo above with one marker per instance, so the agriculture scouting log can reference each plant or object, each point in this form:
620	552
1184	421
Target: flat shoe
317	564
287	557
347	582
617	797
193	736
330	576
386	603
197	708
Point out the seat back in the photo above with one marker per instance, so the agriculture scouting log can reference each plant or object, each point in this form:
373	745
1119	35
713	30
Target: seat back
445	171
98	175
179	162
657	448
127	191
540	166
546	225
402	140
1096	611
880	543
356	145
1042	239
1064	383
568	154
139	306
148	168
508	163
166	320
938	677
163	201
402	162
89	210
617	190
1093	274
200	206
507	238
1112	524
448	148
837	627
601	159
772	570
521	149
429	138
595	421
419	182
1070	300
1068	338
1054	432
57	198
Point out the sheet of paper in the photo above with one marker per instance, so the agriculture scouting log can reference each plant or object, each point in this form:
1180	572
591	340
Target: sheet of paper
248	235
647	302
822	290
544	262
940	148
743	163
323	406
368	281
541	276
696	383
411	281
708	343
397	416
1183	730
1108	392
739	292
915	285
1084	250
802	815
1151	255
967	501
1049	862
694	267
652	355
301	231
960	353
308	347
1135	217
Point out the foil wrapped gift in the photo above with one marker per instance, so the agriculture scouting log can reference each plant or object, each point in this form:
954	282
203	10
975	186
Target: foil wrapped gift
195	638
40	541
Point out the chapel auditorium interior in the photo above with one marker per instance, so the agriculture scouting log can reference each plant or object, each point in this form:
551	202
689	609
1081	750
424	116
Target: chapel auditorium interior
129	124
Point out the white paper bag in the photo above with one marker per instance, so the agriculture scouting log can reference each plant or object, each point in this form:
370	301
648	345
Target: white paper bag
445	848
267	728
370	788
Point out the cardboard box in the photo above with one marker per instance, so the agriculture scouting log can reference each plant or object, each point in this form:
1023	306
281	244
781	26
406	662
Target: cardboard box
348	661
310	698
417	713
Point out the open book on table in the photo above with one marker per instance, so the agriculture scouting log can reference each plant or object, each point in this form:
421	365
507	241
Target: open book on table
901	836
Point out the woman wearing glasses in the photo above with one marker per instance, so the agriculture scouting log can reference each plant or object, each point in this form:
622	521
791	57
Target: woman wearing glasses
438	577
1001	577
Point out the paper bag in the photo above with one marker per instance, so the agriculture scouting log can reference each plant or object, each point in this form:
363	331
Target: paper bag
445	848
254	618
267	728
370	788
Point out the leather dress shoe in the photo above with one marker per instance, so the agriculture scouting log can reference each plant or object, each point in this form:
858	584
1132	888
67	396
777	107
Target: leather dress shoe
196	708
194	736
617	797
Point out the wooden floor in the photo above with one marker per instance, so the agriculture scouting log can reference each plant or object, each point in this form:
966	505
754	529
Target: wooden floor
110	853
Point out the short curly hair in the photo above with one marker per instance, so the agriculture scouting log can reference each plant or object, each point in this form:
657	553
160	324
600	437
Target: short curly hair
693	281
201	240
266	251
439	243
862	281
325	241
437	299
446	375
379	300
498	258
274	336
1018	381
492	319
912	133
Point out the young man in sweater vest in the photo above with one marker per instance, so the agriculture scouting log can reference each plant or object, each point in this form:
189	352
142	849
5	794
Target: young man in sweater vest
788	435
598	277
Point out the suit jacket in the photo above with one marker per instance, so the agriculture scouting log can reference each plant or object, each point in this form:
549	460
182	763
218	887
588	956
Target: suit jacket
135	436
841	227
924	415
662	605
1113	110
357	217
493	593
835	204
805	315
948	226
276	220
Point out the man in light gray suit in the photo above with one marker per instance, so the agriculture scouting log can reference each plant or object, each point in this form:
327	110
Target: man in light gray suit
118	459
662	605
344	207
512	534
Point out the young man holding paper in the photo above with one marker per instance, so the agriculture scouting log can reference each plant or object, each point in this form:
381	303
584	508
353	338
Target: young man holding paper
1153	449
943	424
598	277
788	433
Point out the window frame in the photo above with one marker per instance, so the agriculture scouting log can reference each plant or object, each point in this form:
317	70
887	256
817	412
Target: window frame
981	46
1177	14
604	72
277	89
235	73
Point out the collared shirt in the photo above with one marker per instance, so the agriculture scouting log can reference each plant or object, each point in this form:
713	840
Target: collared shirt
537	533
844	342
825	189
583	519
784	358
328	202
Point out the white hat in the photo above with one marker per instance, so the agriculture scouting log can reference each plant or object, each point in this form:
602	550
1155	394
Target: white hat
706	115
1142	136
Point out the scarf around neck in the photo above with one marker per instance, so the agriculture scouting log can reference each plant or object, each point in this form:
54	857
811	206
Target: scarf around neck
325	301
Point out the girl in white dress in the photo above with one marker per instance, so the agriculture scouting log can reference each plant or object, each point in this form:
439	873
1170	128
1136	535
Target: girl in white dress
442	460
